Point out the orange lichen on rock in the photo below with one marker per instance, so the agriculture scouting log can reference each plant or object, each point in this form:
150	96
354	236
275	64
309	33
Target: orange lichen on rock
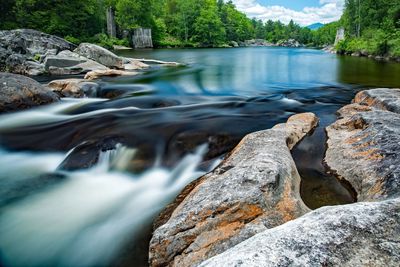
287	207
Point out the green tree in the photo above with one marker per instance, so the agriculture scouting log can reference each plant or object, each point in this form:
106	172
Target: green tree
74	17
209	30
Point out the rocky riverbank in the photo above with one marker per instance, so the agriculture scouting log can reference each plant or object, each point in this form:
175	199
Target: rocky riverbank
261	42
33	53
29	52
332	49
248	211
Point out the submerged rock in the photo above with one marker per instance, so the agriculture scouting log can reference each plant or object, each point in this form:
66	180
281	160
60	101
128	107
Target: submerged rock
20	92
362	234
87	154
255	188
364	144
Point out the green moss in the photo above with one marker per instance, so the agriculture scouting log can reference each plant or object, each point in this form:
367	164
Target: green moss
37	57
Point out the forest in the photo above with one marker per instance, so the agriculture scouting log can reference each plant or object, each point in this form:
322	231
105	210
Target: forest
206	23
371	26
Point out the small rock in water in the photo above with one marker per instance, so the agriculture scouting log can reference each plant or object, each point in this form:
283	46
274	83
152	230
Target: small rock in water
74	87
95	74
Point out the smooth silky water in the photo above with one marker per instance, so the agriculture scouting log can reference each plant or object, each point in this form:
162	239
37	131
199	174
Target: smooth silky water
167	127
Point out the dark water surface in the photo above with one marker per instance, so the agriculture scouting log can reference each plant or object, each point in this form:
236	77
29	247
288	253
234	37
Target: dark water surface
147	143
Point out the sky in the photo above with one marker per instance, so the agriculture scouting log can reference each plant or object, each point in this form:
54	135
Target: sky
303	12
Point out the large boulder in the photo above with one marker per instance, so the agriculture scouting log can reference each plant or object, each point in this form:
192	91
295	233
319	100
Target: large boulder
100	55
364	144
255	188
18	64
361	234
67	62
20	92
21	50
30	42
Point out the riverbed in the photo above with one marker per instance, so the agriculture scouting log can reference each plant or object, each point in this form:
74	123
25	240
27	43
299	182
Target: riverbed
161	130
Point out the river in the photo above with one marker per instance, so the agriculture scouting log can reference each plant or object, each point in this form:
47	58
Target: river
82	180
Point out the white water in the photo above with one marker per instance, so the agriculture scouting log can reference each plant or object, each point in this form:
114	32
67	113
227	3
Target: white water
86	219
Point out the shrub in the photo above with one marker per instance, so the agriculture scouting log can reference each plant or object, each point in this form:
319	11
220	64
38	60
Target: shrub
107	42
72	39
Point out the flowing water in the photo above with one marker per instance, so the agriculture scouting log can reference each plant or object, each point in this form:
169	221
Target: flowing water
82	180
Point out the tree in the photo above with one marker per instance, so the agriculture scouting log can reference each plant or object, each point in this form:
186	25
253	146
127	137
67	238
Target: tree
209	30
74	17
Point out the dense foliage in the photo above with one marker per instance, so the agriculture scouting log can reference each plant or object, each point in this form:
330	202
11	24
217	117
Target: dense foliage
73	17
372	27
173	22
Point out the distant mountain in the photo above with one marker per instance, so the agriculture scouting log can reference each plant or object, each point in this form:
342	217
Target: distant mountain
315	26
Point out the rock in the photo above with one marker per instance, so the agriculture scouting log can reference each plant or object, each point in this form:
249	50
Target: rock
21	51
61	62
329	49
256	42
87	154
131	64
364	144
4	54
30	42
362	234
100	55
95	74
289	43
379	58
67	62
233	44
121	47
18	64
188	141
20	92
255	188
73	87
34	68
81	68
385	99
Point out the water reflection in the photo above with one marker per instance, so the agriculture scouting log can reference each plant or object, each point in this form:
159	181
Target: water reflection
368	72
241	70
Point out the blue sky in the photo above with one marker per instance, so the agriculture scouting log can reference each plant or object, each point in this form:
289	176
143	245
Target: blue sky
304	12
292	4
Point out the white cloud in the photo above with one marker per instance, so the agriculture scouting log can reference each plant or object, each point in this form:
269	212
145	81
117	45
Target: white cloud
328	11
